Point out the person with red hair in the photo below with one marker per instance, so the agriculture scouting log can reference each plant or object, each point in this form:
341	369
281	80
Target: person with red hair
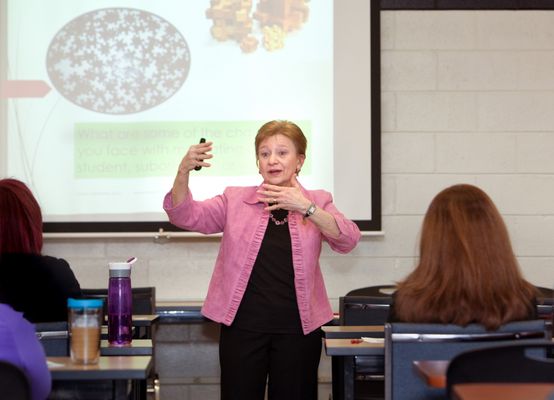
467	271
31	283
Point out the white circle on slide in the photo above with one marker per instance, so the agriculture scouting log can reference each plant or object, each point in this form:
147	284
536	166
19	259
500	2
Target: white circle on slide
118	60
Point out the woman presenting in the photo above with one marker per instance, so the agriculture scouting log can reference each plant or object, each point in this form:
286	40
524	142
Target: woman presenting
267	290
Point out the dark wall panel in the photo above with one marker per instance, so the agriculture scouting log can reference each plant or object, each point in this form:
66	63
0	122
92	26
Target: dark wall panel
467	4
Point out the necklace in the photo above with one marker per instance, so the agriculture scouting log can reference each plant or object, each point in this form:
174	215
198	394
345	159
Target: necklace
277	221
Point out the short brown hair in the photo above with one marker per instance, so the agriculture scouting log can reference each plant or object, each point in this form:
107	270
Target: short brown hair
285	128
467	270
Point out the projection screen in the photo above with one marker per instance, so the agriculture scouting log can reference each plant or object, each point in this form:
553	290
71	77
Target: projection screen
101	99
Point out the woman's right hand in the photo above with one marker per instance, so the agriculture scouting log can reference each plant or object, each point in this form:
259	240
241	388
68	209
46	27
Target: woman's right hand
195	157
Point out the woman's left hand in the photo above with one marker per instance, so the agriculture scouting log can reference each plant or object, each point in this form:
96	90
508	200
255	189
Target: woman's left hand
284	197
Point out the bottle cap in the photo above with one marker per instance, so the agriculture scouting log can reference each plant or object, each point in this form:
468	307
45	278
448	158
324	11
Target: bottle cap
84	303
119	265
120	269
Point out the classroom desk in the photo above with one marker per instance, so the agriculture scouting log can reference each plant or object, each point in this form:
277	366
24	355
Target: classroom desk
145	319
143	325
138	347
343	343
345	340
433	372
503	391
104	332
141	319
353	347
179	312
117	369
353	331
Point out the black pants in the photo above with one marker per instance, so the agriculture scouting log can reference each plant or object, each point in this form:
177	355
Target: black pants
288	363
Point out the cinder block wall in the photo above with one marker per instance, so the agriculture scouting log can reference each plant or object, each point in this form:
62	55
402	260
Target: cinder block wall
467	96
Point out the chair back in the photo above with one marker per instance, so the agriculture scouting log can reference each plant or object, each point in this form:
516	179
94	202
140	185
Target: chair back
408	342
364	310
374	291
521	363
545	303
365	306
54	337
13	382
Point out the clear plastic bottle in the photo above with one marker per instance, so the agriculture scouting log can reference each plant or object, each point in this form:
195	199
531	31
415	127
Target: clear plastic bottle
85	321
120	304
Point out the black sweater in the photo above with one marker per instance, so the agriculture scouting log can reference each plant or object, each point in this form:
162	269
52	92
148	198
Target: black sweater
37	285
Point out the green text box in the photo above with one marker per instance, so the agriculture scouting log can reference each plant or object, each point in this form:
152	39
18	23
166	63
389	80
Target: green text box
153	149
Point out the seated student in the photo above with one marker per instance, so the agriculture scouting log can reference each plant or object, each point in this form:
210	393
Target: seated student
34	284
20	346
467	271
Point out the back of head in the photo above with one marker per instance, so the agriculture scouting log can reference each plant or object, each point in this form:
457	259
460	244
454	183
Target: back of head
467	270
20	219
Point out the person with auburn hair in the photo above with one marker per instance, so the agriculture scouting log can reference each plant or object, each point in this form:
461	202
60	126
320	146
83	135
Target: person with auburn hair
467	271
267	289
31	283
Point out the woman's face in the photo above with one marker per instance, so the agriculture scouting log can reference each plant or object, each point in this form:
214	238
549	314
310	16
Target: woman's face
278	160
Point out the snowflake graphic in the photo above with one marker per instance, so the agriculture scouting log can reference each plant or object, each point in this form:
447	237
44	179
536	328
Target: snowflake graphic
118	60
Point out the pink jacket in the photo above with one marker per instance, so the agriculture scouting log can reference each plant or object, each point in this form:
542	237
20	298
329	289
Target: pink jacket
243	221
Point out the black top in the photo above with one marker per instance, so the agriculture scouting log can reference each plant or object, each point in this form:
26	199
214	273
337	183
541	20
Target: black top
269	302
37	285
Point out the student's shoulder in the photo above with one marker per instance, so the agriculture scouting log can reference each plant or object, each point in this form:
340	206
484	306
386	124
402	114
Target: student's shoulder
20	261
12	318
29	258
53	262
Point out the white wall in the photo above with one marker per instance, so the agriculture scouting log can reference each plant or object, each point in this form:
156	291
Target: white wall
467	96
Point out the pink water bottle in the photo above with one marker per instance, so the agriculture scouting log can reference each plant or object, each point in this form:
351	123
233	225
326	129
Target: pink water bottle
120	304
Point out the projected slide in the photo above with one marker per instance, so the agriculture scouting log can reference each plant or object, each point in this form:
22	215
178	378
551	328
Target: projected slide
118	60
103	98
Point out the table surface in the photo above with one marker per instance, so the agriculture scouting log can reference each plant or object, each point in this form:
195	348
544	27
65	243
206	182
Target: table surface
345	340
341	340
145	319
353	347
141	319
433	372
329	330
503	391
108	367
138	347
104	331
353	332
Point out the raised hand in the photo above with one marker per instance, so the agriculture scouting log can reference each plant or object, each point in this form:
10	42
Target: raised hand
195	157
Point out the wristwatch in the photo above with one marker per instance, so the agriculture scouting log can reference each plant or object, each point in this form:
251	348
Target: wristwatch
310	211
